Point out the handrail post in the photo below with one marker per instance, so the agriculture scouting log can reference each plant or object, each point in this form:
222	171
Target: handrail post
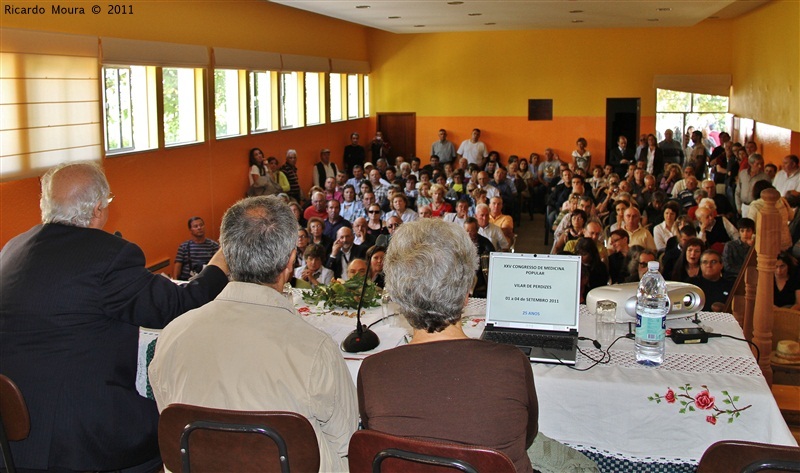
767	245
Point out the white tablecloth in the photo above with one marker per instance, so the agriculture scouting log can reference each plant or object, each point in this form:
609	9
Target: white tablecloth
608	409
621	409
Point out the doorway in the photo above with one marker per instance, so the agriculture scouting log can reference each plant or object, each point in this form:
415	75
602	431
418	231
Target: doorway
622	118
400	129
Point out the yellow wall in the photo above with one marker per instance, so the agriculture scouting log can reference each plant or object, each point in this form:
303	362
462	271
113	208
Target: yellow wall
463	80
766	66
157	191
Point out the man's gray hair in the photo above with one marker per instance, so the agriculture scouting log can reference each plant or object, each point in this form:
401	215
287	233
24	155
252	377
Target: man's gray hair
708	203
70	192
445	255
754	157
257	236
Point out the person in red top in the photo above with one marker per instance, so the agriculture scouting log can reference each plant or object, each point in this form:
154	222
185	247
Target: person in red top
318	207
438	205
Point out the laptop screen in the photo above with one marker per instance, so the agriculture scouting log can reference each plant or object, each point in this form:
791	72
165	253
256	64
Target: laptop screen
533	291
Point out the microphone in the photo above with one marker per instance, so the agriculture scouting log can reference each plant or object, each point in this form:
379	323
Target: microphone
382	240
362	338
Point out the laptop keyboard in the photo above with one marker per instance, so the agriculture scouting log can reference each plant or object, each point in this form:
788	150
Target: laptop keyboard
548	342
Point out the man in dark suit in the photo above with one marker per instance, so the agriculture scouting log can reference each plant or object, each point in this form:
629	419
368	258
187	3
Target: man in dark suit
620	156
484	247
354	154
73	300
342	252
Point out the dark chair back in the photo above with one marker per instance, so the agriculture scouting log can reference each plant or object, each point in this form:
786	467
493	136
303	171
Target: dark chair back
15	422
202	439
373	452
741	456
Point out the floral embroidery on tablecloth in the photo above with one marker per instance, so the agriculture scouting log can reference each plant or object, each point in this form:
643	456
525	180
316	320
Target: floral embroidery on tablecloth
703	402
471	321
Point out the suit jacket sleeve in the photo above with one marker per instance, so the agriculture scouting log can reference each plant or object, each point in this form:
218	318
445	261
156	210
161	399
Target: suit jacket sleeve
134	295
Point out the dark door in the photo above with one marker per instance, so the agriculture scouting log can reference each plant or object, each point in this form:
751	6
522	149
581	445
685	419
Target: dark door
622	118
400	129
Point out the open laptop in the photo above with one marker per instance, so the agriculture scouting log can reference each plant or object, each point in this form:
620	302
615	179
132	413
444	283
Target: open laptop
533	302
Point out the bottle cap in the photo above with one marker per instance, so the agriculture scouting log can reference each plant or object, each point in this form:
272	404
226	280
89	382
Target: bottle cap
652	266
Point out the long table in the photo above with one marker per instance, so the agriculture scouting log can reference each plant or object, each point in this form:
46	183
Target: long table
626	416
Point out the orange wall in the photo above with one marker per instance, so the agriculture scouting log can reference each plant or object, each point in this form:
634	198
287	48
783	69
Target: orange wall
249	24
517	135
774	142
157	191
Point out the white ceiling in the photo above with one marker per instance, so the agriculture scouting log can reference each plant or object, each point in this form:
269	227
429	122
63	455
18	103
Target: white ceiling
436	16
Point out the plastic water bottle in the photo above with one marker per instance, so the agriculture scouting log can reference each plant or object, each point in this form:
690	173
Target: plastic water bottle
652	306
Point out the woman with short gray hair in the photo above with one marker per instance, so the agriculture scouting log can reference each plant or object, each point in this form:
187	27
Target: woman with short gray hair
409	390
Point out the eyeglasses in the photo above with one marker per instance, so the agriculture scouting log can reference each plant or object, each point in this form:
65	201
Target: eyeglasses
393	225
643	265
373	211
709	262
614	240
110	197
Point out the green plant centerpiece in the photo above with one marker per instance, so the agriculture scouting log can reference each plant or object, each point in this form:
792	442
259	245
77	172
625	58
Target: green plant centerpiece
344	293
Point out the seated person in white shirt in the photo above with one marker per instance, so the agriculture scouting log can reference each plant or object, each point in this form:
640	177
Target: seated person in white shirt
461	213
312	273
400	206
488	229
350	208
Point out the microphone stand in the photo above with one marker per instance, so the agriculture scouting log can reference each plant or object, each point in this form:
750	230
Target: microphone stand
362	338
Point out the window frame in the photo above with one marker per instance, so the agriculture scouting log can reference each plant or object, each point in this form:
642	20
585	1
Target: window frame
663	115
145	121
241	95
199	93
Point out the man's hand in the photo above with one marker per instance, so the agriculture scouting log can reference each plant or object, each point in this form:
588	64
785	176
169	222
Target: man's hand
337	245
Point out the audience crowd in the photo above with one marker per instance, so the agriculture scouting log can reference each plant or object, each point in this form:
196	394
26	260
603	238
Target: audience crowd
644	204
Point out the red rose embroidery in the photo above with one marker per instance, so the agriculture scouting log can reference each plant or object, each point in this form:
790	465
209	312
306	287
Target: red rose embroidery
670	396
711	420
704	400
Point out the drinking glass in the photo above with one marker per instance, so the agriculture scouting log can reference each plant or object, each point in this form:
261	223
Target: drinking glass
605	321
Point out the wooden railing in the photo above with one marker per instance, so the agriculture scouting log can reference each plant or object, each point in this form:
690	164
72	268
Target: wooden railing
751	299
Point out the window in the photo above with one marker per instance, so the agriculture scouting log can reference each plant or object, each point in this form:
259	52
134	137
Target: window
228	102
291	111
50	109
118	108
315	93
366	96
129	114
680	110
352	96
183	105
262	111
336	97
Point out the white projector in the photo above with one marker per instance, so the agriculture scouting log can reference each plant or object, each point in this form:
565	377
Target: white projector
685	299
